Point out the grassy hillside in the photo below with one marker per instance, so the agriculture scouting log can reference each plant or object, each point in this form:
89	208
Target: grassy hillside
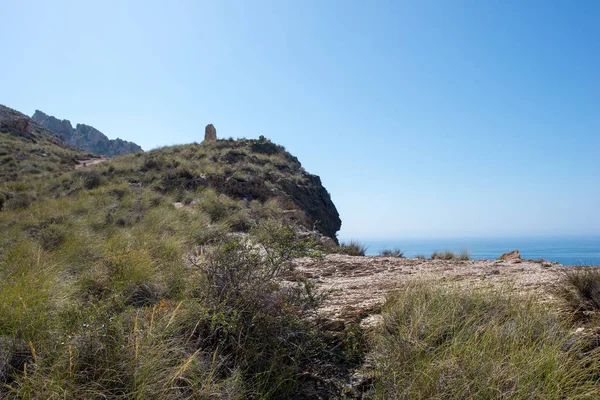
154	275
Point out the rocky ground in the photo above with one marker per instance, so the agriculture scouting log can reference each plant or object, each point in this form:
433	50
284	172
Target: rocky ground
359	285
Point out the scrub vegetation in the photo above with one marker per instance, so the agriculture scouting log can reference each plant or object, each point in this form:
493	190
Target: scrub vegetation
157	276
444	343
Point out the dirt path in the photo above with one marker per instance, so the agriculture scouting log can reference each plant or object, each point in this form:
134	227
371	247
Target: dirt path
361	284
90	161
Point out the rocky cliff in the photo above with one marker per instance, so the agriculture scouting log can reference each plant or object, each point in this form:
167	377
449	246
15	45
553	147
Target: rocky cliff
85	137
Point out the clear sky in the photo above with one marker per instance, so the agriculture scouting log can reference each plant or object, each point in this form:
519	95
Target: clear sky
423	118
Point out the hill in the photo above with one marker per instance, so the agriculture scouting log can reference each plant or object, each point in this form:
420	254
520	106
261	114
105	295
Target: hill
201	271
157	274
85	137
31	153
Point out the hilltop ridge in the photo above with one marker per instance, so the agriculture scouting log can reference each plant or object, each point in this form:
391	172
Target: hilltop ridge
85	137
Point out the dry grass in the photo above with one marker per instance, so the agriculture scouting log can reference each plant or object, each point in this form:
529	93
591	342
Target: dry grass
447	344
353	248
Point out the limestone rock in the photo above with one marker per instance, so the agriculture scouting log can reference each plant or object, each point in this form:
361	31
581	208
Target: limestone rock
510	256
210	133
14	121
85	137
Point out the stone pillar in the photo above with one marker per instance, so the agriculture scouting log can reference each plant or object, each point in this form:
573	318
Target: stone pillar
210	133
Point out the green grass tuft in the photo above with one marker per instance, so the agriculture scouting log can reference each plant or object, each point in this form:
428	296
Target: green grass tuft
392	253
353	248
446	344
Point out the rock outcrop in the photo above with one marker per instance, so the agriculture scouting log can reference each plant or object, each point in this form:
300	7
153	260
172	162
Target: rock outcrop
314	199
85	137
20	124
210	133
510	256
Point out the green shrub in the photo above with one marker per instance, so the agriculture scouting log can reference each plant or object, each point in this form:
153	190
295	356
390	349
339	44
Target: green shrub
18	201
265	146
89	179
392	253
261	325
52	236
217	206
353	248
440	343
420	256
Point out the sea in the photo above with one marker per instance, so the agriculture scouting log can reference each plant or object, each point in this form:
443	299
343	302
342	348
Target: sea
565	250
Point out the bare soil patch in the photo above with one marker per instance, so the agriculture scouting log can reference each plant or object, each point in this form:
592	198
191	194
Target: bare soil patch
360	285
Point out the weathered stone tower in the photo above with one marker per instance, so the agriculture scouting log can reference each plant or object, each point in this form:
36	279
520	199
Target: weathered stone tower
210	133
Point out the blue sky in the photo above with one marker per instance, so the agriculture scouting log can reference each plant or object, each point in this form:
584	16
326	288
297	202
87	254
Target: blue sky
423	118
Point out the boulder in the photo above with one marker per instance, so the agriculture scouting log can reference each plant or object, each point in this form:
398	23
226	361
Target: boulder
210	133
510	256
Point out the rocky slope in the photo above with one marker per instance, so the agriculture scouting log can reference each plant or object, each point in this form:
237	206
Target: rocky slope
360	285
245	169
86	137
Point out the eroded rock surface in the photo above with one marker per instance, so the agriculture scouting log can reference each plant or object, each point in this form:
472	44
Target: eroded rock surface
85	137
359	285
510	256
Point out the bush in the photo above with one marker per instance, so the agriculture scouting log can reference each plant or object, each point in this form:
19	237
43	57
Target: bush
18	201
217	206
262	326
392	253
353	248
420	256
580	288
440	343
89	179
52	236
265	146
449	255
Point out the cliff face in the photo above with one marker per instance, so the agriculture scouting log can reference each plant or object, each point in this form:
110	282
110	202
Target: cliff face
86	137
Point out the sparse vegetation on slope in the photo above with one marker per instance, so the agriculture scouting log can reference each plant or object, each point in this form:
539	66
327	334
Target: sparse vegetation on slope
580	288
449	255
392	253
156	275
444	343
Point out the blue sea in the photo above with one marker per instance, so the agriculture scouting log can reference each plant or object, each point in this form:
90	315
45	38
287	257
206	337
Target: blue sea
565	250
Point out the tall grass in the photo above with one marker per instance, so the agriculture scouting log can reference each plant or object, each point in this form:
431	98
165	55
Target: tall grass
438	343
449	255
580	288
392	253
353	248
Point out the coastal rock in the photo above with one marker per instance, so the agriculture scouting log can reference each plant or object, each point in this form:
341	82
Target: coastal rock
310	196
85	137
510	256
210	133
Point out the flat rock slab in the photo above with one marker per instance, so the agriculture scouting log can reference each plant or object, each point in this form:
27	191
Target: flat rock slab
360	285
